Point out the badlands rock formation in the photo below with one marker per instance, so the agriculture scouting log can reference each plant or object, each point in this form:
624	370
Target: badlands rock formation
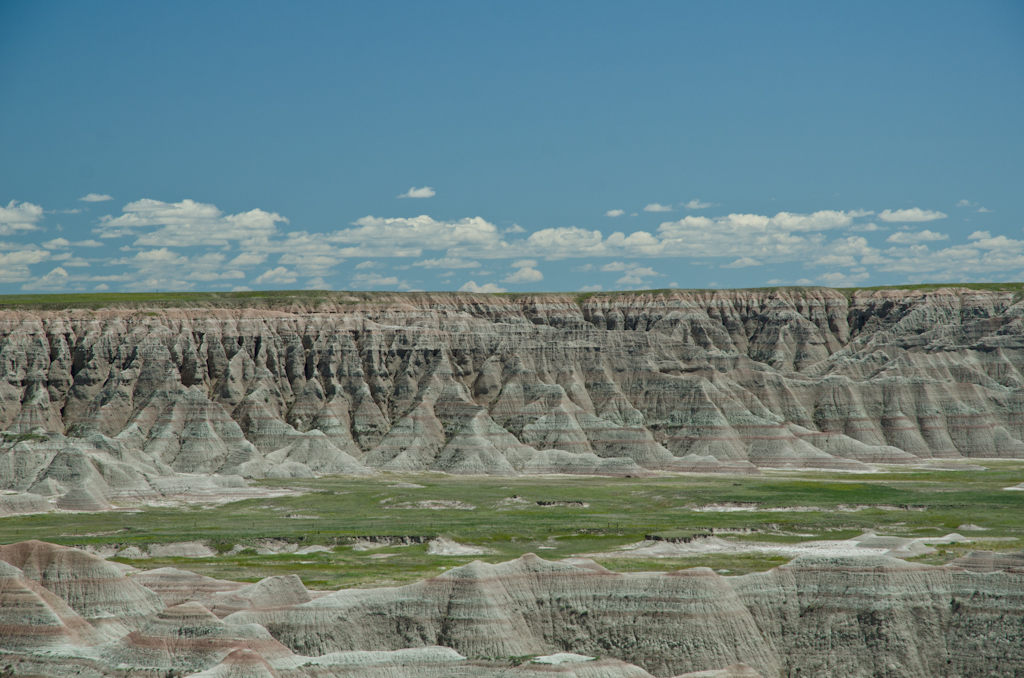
65	612
109	405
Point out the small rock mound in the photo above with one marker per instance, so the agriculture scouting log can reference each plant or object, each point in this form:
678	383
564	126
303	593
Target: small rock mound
990	561
97	590
181	586
14	504
181	549
83	499
266	594
190	637
442	546
240	663
31	617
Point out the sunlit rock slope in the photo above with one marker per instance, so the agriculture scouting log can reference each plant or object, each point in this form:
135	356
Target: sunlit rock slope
98	403
68	613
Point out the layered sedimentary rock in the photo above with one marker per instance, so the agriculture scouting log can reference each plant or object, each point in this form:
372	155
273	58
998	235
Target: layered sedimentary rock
816	616
96	590
99	404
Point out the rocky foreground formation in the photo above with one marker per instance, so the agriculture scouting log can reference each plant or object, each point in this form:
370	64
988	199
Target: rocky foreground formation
66	612
98	405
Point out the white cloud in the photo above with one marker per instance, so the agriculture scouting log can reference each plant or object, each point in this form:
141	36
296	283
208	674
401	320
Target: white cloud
310	264
165	268
837	279
984	256
63	243
822	220
488	288
425	192
869	227
375	236
19	217
696	204
821	239
591	288
102	287
248	259
912	214
187	223
841	260
276	276
656	207
14	265
563	241
373	280
614	213
69	260
56	279
524	275
317	284
447	262
905	238
742	262
161	256
617	266
95	197
209	276
631	267
968	203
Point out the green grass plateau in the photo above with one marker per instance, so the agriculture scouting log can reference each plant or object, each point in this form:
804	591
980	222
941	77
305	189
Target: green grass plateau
284	298
899	501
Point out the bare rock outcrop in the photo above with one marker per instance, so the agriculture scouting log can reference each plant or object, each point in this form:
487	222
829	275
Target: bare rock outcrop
816	616
100	404
96	590
176	586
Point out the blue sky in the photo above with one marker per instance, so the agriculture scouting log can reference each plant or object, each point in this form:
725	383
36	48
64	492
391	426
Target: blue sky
542	146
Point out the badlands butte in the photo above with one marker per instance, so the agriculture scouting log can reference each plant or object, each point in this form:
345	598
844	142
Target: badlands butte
716	411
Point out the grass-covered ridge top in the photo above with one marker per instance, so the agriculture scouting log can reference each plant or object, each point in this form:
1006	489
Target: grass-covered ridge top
287	298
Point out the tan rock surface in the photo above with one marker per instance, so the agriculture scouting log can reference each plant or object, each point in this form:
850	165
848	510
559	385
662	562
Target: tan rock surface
692	381
96	590
816	616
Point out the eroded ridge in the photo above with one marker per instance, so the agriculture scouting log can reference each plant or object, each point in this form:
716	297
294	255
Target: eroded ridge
112	406
66	612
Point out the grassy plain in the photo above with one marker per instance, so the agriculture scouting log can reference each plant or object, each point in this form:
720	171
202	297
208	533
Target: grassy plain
285	298
507	520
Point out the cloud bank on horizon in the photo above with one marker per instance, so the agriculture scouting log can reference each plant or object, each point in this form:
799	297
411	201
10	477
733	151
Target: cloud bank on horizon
189	245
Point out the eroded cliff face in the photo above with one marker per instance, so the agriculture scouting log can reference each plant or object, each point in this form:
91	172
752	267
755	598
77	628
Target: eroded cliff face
65	612
621	384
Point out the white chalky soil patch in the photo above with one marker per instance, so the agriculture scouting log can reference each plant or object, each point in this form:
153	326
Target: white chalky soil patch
866	544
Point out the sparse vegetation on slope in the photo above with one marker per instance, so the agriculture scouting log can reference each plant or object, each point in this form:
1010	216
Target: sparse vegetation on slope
507	521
